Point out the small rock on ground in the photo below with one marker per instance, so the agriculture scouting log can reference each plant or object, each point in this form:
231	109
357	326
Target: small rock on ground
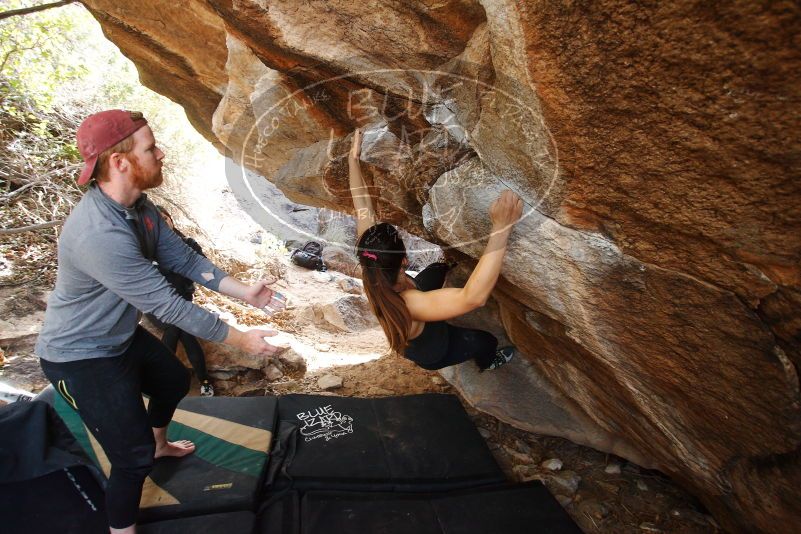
348	285
594	509
564	501
650	527
566	482
321	276
612	469
272	373
292	361
329	382
552	464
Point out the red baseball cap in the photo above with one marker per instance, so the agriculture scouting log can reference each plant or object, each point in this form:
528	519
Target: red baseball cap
102	131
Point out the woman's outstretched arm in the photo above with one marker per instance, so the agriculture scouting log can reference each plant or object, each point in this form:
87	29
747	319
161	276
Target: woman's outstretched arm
448	303
362	201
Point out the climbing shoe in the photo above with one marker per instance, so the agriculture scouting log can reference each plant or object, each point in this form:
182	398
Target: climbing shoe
502	356
206	389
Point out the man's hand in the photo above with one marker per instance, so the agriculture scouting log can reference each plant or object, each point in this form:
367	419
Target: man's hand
252	341
259	295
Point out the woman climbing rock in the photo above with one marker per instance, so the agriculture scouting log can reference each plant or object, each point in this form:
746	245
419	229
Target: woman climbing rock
413	311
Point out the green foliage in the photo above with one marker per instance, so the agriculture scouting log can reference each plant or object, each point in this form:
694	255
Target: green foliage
32	48
59	59
38	162
56	67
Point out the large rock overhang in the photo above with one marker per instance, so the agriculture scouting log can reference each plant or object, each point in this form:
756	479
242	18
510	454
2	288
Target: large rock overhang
654	286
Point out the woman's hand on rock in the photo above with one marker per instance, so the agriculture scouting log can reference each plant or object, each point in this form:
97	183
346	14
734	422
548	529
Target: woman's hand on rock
506	210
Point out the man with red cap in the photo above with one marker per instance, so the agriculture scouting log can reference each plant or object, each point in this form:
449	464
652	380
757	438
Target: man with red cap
91	346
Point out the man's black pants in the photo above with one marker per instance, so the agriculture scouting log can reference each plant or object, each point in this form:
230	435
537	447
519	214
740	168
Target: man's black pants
107	393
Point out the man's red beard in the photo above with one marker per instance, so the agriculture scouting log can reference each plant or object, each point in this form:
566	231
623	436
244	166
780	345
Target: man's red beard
141	180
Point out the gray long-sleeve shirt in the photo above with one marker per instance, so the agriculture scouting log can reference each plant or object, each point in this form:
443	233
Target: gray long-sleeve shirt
104	278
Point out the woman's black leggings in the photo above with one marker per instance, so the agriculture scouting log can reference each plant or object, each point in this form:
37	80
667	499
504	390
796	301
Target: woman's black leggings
442	344
194	352
107	394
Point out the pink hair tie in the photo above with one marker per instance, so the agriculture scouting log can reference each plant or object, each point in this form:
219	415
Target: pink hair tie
370	255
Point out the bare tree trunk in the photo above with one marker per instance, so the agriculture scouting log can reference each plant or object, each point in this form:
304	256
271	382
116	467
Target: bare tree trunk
33	9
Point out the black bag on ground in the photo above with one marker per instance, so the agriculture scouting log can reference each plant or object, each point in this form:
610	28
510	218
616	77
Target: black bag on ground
47	483
313	247
309	256
68	501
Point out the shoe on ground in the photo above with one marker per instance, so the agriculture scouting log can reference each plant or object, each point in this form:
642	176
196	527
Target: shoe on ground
502	356
206	390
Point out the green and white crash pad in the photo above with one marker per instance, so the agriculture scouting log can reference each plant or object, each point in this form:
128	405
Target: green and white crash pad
232	437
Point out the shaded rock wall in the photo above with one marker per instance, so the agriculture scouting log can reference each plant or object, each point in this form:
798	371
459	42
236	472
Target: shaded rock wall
654	285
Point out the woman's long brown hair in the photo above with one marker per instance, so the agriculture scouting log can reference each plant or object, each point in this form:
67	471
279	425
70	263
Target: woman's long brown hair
381	253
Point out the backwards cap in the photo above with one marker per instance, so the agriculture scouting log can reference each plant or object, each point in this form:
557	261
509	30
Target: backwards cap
102	131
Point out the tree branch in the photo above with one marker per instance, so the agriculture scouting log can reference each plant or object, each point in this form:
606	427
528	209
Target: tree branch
23	229
18	191
33	9
6	57
14	51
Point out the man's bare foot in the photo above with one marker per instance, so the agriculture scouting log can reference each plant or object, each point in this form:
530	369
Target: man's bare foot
175	448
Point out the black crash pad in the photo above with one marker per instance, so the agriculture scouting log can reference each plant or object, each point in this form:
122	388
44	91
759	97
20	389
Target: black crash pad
280	514
47	484
510	509
231	523
415	443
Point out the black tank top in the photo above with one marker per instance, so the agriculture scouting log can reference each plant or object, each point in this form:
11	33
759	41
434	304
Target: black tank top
431	346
